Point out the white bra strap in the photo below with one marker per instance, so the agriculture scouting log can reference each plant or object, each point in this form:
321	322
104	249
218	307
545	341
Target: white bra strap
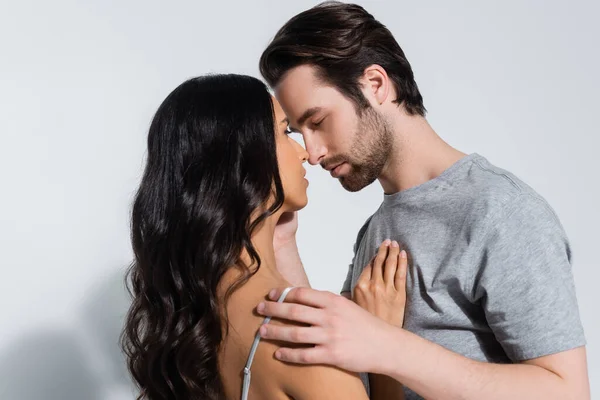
247	372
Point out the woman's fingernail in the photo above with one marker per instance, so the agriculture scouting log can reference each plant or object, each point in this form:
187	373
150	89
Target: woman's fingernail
260	308
387	242
273	294
278	355
394	244
403	254
263	331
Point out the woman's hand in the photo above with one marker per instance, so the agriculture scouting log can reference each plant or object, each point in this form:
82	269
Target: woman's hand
285	230
287	257
381	288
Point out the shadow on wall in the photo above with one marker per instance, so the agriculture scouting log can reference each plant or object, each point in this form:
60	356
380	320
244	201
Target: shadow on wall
103	317
47	366
86	364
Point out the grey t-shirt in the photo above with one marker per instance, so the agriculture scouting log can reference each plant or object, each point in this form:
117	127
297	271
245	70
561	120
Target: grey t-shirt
489	265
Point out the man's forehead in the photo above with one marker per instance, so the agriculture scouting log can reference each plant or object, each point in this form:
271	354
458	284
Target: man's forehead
300	106
298	85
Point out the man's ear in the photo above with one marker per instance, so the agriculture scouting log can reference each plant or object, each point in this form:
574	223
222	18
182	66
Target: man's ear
376	83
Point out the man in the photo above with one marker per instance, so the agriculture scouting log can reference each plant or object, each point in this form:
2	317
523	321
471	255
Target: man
491	310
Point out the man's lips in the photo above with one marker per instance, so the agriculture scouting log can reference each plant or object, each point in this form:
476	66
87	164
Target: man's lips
336	170
331	166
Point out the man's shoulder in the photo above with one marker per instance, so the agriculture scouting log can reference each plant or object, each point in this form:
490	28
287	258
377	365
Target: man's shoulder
495	189
500	199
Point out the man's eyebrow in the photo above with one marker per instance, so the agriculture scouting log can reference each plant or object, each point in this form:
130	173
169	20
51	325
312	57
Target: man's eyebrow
307	114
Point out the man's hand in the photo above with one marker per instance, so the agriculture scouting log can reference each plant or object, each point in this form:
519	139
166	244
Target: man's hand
344	334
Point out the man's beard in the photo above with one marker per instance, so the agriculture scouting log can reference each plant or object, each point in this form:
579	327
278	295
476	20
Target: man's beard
369	152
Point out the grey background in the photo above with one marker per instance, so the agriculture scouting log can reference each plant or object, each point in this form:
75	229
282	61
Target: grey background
515	81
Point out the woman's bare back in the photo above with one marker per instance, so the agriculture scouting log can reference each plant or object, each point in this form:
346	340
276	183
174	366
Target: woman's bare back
243	323
273	379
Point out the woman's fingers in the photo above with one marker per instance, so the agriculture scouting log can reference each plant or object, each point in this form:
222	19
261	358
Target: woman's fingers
391	263
400	276
377	273
365	275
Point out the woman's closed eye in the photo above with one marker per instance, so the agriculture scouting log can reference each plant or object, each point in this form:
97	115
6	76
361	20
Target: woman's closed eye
289	130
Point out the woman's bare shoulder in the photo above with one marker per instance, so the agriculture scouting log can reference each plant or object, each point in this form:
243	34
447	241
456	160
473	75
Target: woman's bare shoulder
307	381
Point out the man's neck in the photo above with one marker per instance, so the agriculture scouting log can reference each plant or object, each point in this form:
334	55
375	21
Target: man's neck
418	155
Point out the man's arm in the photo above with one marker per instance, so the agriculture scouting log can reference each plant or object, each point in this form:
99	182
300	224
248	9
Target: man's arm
434	372
349	337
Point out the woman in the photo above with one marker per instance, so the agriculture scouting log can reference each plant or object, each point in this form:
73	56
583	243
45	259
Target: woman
221	171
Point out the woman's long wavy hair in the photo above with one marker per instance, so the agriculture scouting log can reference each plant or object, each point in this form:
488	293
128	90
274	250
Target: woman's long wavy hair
211	178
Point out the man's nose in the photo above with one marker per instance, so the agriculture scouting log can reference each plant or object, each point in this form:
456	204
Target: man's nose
316	151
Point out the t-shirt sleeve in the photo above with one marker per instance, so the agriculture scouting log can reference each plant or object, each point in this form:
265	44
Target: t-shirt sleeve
347	286
525	283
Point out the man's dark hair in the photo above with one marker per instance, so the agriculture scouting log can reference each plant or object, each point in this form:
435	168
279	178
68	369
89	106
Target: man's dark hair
341	41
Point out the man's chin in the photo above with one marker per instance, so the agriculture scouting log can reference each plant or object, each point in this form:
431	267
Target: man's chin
352	184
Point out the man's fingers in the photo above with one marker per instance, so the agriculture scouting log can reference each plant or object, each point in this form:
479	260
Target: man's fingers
305	295
292	312
400	278
377	273
313	355
391	263
292	334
